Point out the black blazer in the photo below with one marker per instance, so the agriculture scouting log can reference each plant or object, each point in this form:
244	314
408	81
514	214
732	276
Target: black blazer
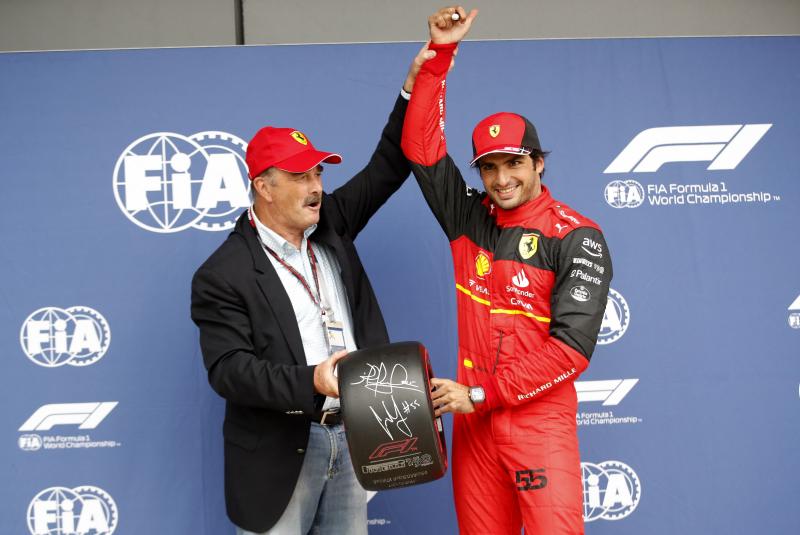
251	344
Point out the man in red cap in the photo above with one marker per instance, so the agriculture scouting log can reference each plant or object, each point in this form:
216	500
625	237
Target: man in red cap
278	304
532	279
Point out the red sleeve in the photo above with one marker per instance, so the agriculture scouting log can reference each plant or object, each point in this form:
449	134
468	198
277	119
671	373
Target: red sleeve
554	363
423	139
573	328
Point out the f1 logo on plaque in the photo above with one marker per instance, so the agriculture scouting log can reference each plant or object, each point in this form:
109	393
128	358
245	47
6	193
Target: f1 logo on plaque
393	437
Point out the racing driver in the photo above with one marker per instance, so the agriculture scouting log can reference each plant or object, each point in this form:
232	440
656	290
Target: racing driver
532	279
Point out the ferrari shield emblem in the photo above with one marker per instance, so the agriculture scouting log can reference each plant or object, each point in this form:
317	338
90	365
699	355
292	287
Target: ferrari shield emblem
299	137
494	130
528	245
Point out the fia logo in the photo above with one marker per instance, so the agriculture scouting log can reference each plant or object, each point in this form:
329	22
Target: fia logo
64	511
30	442
166	182
611	490
724	145
77	336
624	194
616	318
794	314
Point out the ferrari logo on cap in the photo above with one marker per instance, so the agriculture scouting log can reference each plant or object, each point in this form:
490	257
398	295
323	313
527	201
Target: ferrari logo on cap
494	130
528	245
299	137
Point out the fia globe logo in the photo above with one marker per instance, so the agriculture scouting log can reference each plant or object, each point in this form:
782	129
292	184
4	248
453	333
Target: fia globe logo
794	314
616	318
75	336
83	510
611	490
624	194
167	182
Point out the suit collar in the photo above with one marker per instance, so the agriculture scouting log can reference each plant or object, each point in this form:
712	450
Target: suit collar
272	288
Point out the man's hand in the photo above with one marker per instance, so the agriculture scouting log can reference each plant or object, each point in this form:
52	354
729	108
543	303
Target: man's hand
449	396
422	56
325	382
446	30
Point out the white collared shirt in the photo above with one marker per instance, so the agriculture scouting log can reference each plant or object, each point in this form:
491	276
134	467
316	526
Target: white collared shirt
307	314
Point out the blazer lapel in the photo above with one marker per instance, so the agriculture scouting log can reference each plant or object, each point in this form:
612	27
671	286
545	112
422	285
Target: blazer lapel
326	235
275	294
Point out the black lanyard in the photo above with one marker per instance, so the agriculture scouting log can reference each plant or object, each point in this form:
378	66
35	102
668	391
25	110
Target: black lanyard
312	260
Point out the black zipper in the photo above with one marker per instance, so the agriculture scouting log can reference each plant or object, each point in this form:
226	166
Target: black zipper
497	354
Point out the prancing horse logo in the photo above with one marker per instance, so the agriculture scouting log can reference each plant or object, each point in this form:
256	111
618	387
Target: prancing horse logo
299	137
494	130
528	245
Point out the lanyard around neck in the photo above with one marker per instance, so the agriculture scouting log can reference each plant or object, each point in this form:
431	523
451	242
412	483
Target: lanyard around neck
317	299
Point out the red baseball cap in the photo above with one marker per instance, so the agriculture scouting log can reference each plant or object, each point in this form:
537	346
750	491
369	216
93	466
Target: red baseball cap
284	148
504	132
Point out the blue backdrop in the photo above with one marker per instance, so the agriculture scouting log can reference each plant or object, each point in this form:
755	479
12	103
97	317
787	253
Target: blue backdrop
688	413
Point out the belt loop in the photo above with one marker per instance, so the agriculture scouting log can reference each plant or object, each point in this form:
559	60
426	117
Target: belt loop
324	415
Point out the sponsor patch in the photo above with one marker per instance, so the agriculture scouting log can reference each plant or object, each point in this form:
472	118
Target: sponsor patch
528	245
520	280
580	293
483	266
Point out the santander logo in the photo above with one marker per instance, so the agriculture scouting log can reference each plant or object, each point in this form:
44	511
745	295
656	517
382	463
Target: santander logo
520	280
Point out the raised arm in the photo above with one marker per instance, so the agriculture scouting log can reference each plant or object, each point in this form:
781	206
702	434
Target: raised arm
424	144
361	196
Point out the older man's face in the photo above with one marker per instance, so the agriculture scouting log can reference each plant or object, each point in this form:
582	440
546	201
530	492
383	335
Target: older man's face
294	199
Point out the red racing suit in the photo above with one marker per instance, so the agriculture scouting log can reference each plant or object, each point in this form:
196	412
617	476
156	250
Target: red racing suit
532	285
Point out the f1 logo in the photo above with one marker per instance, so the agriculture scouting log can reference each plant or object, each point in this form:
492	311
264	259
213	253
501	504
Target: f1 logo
399	447
84	415
609	392
725	146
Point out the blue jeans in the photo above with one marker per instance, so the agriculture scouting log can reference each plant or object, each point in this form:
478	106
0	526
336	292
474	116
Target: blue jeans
327	499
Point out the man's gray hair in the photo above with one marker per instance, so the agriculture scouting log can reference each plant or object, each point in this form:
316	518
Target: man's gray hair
268	175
